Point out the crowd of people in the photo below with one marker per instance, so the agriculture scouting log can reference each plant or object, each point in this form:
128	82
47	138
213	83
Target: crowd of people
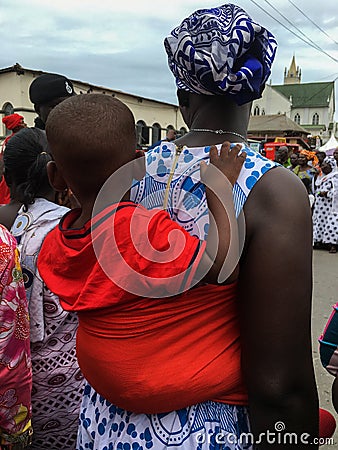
147	313
319	174
325	209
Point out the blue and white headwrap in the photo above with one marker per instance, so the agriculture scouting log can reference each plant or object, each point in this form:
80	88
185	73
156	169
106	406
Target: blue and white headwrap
221	51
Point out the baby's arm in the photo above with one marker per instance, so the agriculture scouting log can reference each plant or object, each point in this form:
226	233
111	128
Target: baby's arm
219	178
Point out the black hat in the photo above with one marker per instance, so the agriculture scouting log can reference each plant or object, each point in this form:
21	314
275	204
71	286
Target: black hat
50	86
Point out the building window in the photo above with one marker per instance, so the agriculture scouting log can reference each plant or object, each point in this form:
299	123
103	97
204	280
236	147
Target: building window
256	110
315	119
297	118
263	112
142	133
7	109
156	135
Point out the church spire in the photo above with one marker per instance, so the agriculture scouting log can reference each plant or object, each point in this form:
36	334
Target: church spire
293	75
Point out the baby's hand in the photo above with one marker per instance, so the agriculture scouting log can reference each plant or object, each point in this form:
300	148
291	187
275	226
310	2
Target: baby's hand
229	162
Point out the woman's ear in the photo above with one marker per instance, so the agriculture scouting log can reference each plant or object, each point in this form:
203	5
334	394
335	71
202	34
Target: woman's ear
139	168
55	177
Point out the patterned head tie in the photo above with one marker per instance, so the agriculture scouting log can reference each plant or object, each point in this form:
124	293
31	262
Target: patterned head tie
221	51
311	156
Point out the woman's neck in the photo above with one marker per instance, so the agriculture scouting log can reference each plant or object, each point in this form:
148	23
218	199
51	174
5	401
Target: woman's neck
213	114
200	139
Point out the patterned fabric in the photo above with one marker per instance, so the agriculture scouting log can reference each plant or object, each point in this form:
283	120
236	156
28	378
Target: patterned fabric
311	156
57	380
195	428
15	362
221	51
333	194
331	161
325	213
104	426
331	226
187	202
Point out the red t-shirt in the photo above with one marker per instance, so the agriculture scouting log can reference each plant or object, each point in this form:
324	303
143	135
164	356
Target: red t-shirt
142	353
124	252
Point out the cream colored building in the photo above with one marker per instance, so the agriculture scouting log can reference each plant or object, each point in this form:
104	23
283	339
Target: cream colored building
153	118
271	102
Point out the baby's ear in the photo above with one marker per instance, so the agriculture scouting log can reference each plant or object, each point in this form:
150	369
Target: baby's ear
55	177
139	168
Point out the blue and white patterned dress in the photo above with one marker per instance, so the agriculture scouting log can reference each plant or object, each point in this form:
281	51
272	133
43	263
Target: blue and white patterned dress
57	379
173	181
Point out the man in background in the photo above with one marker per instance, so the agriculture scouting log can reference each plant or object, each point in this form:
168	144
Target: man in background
47	91
282	156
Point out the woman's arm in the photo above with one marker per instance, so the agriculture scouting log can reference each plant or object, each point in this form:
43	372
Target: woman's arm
275	297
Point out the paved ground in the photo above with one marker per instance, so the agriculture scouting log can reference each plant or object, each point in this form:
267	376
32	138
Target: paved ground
325	294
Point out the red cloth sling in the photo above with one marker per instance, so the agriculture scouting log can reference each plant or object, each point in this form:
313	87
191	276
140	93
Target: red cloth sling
144	354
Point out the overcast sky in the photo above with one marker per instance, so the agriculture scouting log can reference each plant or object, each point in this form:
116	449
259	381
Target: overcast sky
119	43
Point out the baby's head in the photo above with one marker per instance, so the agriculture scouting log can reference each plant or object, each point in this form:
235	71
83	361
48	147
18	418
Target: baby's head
90	137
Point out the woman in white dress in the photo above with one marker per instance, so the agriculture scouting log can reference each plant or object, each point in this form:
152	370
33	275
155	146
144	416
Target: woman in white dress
325	215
